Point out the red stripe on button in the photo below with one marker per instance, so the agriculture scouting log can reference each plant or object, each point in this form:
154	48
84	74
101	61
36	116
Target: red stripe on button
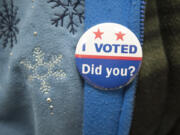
108	57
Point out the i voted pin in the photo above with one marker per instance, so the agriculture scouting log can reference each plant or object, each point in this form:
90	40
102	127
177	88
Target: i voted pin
108	56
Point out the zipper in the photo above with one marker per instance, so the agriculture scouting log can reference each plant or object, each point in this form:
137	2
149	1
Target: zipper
142	17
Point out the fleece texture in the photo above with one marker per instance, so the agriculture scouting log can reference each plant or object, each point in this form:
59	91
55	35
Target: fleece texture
41	92
170	31
157	110
110	112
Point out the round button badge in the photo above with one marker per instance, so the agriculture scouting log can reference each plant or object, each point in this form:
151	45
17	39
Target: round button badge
108	56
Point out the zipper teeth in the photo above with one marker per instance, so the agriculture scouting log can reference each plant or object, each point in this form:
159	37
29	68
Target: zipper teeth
142	17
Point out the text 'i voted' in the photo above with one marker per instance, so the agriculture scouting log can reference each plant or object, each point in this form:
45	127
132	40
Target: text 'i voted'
108	56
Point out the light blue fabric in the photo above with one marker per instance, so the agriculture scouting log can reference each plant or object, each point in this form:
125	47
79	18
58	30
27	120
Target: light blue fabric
23	106
110	113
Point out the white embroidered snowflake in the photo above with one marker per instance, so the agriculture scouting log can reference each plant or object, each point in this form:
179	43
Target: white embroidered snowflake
71	10
38	71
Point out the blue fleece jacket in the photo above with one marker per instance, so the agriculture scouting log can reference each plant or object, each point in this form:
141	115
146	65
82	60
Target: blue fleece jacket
110	113
41	92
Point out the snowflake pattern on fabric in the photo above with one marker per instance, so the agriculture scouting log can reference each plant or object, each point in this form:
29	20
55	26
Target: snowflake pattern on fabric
43	70
72	10
8	24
